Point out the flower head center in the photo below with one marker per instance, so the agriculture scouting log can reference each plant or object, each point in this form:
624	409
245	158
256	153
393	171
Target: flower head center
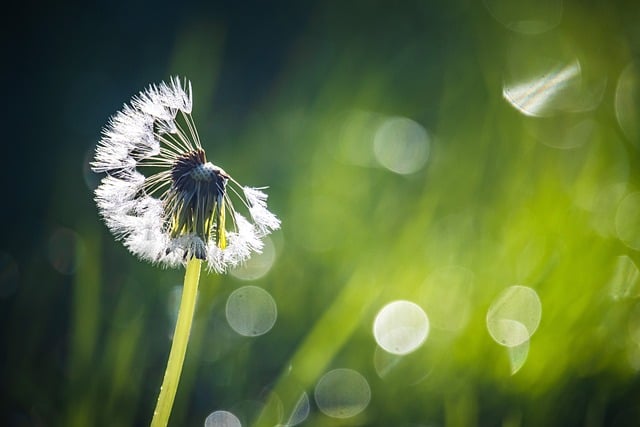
206	172
195	201
192	170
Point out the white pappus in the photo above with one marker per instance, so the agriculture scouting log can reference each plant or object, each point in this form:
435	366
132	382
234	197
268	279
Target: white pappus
162	197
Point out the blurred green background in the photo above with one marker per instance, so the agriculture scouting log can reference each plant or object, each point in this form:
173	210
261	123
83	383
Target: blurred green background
429	151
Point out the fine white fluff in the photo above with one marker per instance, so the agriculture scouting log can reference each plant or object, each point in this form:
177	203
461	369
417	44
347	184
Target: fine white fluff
133	208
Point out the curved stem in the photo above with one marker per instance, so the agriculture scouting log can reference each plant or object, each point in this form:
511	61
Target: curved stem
178	345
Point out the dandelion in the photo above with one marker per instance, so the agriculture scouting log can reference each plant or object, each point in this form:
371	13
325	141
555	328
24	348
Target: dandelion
161	195
171	206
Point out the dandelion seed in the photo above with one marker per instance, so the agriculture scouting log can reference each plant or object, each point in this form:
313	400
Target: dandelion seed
181	207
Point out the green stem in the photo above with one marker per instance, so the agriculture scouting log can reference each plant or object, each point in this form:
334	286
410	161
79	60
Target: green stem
179	345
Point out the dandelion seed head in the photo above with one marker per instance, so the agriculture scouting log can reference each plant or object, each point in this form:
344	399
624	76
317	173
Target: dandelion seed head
162	197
